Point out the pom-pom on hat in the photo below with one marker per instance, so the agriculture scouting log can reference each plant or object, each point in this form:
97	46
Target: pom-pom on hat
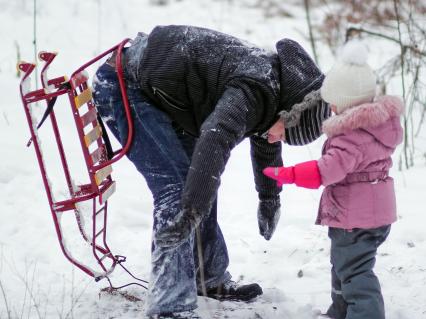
350	81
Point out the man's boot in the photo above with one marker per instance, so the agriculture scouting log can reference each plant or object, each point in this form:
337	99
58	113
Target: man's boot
230	290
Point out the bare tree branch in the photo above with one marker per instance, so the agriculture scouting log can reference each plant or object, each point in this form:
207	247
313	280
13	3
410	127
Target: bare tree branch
351	31
311	36
5	301
403	84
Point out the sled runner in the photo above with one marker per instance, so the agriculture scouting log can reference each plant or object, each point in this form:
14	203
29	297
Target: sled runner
97	153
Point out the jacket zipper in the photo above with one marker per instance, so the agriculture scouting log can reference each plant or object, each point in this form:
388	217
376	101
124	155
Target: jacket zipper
169	100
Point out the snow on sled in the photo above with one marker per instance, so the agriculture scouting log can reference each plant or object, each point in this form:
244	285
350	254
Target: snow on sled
97	157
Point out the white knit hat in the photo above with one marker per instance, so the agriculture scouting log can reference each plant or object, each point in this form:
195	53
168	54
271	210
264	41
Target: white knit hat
350	81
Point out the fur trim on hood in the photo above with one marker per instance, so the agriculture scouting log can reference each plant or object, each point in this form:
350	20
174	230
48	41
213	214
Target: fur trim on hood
364	116
292	118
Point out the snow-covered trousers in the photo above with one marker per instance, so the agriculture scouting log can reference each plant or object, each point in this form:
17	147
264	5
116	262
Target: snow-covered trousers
356	292
162	152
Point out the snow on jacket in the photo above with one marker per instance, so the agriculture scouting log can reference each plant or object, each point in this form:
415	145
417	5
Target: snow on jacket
355	165
222	89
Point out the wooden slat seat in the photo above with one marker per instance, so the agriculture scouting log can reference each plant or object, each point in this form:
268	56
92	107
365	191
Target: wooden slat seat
83	97
102	174
98	154
93	135
88	117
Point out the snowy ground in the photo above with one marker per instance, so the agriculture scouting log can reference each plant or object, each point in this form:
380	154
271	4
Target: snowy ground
36	281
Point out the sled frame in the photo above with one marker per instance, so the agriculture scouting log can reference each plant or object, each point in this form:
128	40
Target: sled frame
101	185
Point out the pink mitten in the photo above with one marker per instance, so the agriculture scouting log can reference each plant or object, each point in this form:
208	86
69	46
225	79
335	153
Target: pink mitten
305	174
283	175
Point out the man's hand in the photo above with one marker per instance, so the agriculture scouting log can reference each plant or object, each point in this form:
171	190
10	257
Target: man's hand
179	229
268	215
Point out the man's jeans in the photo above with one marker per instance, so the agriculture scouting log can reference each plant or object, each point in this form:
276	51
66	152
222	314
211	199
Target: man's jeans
356	292
162	154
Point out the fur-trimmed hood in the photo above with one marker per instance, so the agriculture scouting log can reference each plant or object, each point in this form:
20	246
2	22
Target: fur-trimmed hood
368	116
354	168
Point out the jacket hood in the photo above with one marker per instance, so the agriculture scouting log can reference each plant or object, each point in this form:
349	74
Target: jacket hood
299	75
372	117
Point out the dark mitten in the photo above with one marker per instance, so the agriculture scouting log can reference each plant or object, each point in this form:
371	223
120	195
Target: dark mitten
179	229
268	215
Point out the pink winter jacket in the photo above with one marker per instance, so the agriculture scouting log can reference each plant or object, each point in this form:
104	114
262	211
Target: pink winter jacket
355	164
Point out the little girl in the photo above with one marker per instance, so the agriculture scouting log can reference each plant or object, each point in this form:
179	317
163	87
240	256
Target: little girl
358	201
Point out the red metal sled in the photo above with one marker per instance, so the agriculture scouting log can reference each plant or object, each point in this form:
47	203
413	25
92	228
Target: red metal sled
101	185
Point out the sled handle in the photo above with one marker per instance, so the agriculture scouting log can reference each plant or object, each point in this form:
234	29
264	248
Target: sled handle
27	68
48	58
121	152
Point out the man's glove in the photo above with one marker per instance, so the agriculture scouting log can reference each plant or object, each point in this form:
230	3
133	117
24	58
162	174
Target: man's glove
179	229
268	215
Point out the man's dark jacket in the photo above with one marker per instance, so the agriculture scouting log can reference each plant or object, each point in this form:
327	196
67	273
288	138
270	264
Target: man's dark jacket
221	89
